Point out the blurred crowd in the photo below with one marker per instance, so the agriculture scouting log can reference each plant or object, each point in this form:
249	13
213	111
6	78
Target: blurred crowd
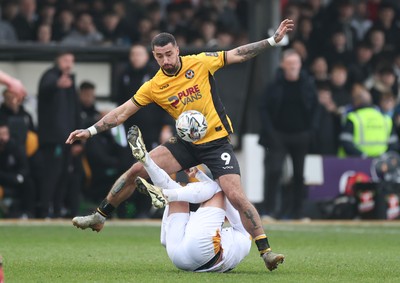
349	58
122	22
336	92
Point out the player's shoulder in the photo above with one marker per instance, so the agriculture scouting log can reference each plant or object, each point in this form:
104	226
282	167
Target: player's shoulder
203	55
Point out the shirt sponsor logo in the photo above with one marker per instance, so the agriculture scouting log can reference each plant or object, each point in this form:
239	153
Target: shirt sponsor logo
186	96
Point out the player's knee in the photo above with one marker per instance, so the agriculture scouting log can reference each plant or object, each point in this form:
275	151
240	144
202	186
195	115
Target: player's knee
136	170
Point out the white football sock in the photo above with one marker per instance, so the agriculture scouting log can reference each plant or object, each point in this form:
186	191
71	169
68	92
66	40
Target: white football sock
159	177
163	235
201	176
197	192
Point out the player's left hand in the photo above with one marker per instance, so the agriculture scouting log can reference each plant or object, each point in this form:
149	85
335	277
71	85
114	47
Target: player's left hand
82	134
285	26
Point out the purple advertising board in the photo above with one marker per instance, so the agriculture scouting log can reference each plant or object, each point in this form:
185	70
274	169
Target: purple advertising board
333	170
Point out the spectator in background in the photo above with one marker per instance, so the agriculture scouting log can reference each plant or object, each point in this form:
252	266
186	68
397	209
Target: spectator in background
63	24
58	113
225	38
342	21
15	181
129	14
26	21
114	159
361	69
84	33
98	10
305	33
337	52
367	131
20	121
387	104
339	87
111	30
154	13
301	49
174	19
360	21
227	17
387	23
7	32
287	118
396	64
44	34
13	85
145	27
47	14
87	97
23	134
384	81
376	38
9	10
326	136
319	69
208	30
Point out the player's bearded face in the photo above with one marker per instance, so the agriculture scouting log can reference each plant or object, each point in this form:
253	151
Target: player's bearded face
167	57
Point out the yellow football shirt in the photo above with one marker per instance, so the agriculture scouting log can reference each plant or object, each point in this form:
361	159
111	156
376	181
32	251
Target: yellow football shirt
191	88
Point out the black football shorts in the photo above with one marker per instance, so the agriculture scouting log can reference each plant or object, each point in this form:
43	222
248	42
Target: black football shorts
218	155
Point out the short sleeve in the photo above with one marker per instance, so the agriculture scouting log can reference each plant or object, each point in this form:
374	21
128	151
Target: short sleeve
143	96
212	60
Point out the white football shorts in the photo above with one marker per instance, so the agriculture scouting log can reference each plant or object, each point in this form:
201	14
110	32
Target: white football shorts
193	240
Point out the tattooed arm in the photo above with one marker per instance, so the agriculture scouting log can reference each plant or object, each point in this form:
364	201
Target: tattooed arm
112	119
248	51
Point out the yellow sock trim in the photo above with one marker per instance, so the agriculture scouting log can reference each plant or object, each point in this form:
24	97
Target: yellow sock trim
263	236
101	212
265	251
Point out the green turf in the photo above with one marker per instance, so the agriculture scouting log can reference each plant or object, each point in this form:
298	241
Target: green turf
126	253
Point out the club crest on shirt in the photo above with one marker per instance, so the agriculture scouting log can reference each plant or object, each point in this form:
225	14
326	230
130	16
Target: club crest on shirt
189	74
172	140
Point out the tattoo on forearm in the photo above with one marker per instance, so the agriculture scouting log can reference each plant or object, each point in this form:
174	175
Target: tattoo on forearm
276	36
249	214
118	187
251	50
105	124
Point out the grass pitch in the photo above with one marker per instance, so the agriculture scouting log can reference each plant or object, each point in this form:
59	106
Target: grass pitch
130	252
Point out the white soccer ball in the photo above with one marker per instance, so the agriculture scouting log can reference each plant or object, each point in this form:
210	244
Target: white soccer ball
191	126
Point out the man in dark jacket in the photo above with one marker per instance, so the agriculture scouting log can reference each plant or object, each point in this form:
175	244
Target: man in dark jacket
58	114
287	118
23	134
15	182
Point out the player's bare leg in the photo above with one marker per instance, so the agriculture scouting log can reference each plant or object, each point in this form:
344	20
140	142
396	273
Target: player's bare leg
231	186
124	187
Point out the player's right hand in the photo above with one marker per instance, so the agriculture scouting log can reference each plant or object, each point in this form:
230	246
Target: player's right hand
17	88
81	134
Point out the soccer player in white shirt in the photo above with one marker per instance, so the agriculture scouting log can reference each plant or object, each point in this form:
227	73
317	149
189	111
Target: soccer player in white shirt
195	241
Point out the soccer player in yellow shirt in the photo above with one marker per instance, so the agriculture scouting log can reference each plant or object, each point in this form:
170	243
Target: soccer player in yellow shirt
187	83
